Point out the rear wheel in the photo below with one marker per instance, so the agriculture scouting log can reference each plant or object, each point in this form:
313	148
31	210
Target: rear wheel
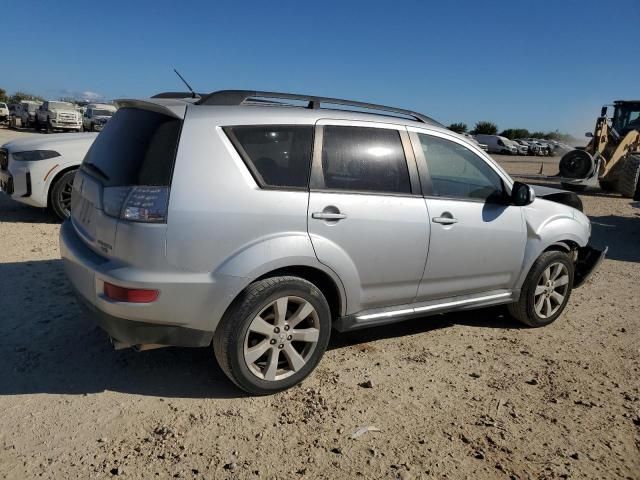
546	290
60	195
629	176
273	335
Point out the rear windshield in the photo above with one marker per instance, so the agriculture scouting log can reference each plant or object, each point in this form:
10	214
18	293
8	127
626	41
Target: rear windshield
136	147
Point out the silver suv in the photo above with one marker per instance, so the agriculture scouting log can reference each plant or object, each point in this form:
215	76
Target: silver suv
259	221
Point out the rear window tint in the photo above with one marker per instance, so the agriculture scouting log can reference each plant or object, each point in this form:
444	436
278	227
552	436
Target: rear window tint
277	155
136	147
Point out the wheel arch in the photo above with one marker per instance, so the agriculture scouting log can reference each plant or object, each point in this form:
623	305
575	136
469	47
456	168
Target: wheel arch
55	178
321	279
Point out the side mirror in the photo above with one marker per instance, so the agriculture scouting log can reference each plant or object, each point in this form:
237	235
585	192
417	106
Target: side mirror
522	194
588	135
603	111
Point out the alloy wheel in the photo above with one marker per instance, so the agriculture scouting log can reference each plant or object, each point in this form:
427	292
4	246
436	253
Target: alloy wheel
281	338
551	290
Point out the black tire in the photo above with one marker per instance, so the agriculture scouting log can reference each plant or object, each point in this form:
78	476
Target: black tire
60	195
229	338
607	185
576	164
572	187
524	309
629	176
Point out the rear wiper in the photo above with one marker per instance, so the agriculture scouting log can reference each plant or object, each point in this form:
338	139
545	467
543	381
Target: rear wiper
95	169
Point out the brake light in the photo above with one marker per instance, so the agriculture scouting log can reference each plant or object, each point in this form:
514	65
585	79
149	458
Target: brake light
137	204
131	295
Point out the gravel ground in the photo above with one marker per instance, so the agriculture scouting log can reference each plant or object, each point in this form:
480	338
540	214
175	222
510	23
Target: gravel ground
467	395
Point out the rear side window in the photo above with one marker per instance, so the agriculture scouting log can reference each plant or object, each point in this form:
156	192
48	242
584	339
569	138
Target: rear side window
136	147
364	159
277	155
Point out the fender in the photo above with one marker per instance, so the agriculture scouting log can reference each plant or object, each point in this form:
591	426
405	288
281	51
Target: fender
545	230
274	252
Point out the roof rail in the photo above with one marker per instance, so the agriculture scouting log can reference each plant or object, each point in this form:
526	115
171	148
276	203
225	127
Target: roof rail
176	95
237	97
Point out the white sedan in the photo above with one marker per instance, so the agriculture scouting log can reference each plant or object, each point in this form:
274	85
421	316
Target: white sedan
39	170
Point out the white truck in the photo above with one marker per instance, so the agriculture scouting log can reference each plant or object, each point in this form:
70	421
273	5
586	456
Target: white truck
96	115
55	115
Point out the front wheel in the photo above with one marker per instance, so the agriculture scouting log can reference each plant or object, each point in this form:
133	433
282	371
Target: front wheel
546	290
60	195
273	335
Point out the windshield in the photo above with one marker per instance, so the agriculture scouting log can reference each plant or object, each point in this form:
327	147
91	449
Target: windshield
106	113
61	106
627	117
3	105
32	107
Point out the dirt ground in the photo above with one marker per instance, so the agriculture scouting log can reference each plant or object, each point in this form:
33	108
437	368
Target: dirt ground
467	395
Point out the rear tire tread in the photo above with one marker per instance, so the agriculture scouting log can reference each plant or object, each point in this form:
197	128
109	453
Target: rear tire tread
629	176
224	342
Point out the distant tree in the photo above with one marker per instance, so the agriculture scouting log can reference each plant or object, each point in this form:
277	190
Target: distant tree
512	133
485	128
458	127
538	135
3	95
18	97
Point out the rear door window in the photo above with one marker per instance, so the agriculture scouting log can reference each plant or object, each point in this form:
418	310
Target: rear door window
136	147
364	159
277	155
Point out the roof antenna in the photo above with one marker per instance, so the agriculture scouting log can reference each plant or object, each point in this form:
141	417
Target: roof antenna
193	94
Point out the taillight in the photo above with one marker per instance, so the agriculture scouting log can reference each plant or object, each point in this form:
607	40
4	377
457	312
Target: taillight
137	204
132	295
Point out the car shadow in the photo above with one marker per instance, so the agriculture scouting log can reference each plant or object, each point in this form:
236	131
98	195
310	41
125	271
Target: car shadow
16	212
47	346
620	234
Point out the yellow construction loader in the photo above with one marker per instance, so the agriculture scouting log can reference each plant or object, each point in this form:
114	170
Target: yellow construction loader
612	156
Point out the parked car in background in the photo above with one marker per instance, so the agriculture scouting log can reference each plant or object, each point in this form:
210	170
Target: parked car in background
24	114
497	144
260	253
522	149
534	149
56	115
39	170
4	112
471	138
96	115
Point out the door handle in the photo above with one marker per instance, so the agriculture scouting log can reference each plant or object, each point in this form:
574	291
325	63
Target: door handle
328	216
445	220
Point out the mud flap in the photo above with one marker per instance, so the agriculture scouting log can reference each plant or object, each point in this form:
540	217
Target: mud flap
588	261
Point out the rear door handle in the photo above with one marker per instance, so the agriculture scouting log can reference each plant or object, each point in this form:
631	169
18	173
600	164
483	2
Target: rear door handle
328	216
445	220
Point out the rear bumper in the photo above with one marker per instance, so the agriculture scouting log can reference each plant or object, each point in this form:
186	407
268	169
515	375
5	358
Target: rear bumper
133	333
589	259
186	312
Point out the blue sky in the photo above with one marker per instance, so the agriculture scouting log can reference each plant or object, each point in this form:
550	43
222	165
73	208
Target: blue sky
538	65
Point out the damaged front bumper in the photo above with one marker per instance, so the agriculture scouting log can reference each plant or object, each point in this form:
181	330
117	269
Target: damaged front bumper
588	260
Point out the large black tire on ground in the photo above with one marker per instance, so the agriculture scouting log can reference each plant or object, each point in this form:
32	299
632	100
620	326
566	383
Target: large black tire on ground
629	176
228	340
524	309
60	195
576	164
572	187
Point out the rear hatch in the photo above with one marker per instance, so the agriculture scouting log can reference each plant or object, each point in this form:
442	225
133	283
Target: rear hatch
125	177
